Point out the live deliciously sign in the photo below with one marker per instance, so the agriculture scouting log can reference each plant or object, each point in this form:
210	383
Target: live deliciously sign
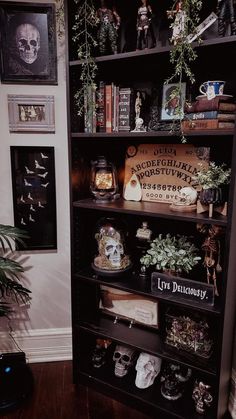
164	169
176	288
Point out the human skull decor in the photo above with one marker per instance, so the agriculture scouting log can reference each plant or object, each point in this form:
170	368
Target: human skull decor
28	42
111	259
124	358
147	367
186	196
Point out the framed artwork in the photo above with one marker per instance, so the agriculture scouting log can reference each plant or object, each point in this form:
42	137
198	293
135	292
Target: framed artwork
28	43
34	197
172	103
31	113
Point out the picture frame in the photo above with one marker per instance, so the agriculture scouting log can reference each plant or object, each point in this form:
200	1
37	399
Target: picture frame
28	43
34	195
31	113
172	107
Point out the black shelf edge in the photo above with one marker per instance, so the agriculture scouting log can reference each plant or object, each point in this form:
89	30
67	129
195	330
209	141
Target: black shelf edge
152	209
150	398
144	340
151	134
142	287
157	50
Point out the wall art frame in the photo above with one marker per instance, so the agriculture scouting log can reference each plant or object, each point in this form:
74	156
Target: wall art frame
31	113
34	195
172	107
28	43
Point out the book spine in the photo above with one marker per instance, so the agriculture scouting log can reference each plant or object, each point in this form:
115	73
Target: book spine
101	117
226	125
124	109
202	115
203	105
200	124
113	107
227	107
226	117
108	102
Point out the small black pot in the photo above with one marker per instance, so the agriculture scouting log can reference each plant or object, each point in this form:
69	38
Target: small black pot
212	196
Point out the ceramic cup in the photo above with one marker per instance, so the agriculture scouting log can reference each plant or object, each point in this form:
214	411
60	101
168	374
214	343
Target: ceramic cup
212	88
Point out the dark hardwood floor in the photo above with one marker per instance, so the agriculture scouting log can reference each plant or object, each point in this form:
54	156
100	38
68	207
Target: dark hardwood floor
55	397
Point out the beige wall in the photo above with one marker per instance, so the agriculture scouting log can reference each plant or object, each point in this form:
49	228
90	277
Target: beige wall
44	330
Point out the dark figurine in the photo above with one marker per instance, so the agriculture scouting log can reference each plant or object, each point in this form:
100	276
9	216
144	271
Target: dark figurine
109	23
202	396
144	25
173	378
226	17
100	352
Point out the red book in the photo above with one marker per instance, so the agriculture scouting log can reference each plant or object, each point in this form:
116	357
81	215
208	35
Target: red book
108	102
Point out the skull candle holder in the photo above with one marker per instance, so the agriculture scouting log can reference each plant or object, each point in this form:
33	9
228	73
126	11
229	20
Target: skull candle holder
111	259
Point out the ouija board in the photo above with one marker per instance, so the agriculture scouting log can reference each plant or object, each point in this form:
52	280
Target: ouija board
164	169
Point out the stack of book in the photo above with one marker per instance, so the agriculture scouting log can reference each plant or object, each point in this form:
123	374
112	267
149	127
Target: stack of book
204	114
115	108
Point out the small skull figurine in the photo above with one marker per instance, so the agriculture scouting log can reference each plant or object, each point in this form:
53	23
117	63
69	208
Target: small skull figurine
202	396
186	196
124	358
147	367
28	42
114	250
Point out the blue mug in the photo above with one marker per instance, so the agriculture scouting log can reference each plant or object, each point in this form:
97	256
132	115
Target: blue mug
212	88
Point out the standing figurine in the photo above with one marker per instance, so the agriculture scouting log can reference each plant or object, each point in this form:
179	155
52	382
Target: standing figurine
202	396
138	120
108	27
179	24
226	17
144	27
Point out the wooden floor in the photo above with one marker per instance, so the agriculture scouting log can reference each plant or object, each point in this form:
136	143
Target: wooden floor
55	397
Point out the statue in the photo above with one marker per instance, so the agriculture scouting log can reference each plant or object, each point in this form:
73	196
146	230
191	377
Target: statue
144	27
109	23
226	17
179	23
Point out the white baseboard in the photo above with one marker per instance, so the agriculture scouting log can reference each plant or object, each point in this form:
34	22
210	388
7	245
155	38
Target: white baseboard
40	345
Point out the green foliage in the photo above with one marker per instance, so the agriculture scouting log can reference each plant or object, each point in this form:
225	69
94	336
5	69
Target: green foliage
10	271
86	21
213	176
172	253
182	55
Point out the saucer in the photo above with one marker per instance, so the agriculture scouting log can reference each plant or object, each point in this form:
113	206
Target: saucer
222	97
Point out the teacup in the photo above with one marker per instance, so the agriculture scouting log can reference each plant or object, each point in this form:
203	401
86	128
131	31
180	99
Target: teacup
212	88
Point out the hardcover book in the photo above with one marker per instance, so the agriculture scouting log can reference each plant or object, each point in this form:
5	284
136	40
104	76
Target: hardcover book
125	94
101	115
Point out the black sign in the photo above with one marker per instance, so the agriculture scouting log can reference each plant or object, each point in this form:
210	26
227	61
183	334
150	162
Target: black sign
176	287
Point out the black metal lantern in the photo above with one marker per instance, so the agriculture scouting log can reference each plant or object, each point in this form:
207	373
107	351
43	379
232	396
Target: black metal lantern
103	185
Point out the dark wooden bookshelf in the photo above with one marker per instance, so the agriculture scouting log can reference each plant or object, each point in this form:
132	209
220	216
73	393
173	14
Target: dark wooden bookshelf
216	57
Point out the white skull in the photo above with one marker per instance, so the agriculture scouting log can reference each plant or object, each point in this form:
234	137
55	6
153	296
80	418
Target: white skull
28	42
124	359
147	367
114	250
186	196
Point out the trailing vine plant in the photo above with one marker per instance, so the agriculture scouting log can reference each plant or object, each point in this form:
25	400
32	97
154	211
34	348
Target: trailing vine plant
186	18
85	22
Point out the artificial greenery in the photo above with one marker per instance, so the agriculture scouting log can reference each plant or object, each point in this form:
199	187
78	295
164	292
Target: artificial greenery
11	291
171	253
183	54
213	176
86	21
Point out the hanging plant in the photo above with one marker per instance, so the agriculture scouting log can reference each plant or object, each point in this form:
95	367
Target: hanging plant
85	22
185	15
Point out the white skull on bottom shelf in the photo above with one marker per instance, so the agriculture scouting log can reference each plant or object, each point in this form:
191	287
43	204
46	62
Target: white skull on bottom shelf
147	367
124	359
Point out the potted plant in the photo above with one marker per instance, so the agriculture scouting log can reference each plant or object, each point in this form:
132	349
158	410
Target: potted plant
212	181
171	254
11	290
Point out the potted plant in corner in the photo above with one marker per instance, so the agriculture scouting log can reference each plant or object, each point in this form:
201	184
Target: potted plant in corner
172	255
213	182
11	290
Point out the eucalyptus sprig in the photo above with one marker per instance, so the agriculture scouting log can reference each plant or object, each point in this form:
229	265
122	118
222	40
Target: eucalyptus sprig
182	55
86	21
213	176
